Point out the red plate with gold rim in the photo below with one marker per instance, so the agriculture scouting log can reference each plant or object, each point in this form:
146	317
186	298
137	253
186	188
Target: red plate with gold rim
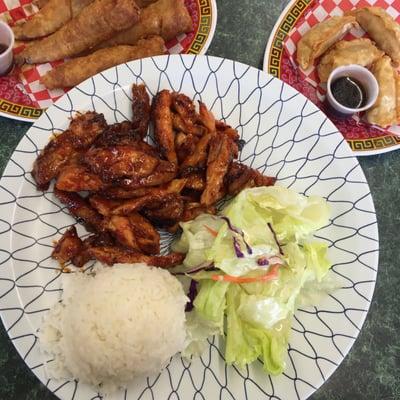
363	138
22	97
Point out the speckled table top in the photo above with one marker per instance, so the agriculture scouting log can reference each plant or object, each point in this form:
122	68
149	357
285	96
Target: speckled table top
372	369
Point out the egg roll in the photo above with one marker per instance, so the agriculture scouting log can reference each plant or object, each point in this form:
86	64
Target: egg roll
384	111
144	3
52	16
382	28
78	69
165	18
97	22
320	37
358	51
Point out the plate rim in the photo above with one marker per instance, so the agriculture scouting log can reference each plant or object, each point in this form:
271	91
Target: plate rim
25	113
275	71
351	155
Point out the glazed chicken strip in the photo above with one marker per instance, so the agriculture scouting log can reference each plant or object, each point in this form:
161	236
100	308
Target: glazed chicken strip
196	181
75	71
116	192
146	235
198	158
78	178
81	210
219	159
103	205
207	117
68	246
98	239
128	206
241	176
98	21
165	18
113	255
187	117
114	162
158	195
123	134
163	131
108	207
185	145
166	212
121	229
81	133
141	103
164	173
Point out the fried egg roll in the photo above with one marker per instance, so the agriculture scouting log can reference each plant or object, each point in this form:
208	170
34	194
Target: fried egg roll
97	22
78	69
165	18
52	16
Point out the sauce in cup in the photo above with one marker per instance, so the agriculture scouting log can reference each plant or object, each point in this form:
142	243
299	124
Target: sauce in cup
6	48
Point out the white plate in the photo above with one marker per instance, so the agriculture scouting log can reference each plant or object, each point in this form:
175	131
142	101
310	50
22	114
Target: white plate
286	136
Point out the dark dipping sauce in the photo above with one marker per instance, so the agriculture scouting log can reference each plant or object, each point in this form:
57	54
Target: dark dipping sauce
348	92
3	48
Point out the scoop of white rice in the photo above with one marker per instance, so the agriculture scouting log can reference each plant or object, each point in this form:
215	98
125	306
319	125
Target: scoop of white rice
120	323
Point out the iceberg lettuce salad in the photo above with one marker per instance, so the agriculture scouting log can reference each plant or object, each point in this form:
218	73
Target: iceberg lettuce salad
254	264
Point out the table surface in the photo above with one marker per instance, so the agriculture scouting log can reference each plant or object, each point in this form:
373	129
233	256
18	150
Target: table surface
372	368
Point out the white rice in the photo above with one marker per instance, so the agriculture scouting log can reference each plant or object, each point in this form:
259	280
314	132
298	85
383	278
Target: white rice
123	322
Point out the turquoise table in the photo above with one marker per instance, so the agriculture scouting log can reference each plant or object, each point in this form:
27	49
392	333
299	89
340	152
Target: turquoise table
372	369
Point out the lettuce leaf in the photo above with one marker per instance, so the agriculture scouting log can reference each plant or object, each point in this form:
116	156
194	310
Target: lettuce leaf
259	223
245	342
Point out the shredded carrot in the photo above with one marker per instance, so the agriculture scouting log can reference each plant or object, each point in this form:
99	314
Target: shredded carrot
269	276
212	231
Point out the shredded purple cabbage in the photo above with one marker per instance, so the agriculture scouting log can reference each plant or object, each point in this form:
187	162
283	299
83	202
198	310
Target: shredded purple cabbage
236	247
276	239
239	232
263	261
192	295
230	226
198	268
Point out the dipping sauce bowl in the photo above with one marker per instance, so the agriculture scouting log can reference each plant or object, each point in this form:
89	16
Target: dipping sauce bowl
6	48
360	82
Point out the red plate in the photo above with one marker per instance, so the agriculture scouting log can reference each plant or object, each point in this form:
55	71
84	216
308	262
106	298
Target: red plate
22	97
363	138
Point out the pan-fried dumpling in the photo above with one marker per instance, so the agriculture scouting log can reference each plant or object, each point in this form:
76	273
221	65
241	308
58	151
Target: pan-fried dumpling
322	36
382	28
384	111
358	51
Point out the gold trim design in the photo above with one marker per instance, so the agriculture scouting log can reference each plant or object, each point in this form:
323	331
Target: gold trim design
378	143
296	12
19	110
289	20
203	31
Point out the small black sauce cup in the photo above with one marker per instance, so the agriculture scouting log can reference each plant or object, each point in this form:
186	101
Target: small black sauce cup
6	39
364	77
